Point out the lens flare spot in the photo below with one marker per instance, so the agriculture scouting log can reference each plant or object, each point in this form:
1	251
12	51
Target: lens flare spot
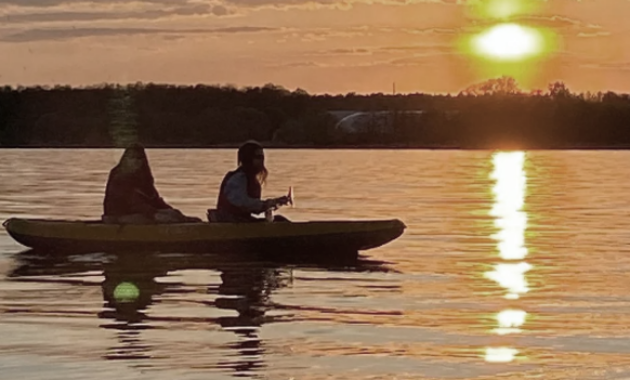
126	292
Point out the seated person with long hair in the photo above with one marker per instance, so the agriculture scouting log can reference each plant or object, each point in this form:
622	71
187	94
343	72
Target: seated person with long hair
131	196
240	194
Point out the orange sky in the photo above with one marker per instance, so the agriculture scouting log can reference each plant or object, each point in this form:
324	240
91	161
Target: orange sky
322	46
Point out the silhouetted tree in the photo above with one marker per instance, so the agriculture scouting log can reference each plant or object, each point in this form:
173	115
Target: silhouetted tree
491	114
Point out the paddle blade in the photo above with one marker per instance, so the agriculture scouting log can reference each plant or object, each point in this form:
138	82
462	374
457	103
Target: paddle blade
291	196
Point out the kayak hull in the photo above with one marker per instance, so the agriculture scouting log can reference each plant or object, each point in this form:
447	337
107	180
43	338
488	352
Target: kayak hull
299	237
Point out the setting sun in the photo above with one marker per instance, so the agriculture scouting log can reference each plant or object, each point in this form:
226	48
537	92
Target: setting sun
508	42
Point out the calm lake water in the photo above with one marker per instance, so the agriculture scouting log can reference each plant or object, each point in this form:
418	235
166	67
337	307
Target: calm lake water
514	265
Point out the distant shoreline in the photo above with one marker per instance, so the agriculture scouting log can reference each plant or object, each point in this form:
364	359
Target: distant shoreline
491	116
329	147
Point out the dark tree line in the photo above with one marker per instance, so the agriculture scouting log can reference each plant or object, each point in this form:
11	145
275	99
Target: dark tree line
492	114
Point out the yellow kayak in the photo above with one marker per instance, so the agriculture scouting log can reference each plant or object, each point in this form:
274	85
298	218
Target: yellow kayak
92	236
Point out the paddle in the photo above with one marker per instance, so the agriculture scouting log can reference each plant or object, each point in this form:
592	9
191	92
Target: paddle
291	196
290	200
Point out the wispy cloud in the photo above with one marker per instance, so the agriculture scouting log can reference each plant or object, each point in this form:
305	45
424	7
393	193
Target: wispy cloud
327	58
229	4
145	14
56	34
607	65
558	24
417	50
593	34
323	34
344	51
344	4
52	3
297	64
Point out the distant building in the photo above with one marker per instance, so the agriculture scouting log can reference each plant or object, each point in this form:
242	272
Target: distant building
375	121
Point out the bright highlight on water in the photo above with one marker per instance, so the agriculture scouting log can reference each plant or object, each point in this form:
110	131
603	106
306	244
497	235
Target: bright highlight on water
509	192
509	321
500	354
511	221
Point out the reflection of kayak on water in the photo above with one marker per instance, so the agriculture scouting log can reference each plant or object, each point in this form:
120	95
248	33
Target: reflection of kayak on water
145	291
318	236
133	285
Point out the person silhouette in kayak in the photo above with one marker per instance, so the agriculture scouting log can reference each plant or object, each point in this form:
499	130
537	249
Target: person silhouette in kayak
240	194
131	196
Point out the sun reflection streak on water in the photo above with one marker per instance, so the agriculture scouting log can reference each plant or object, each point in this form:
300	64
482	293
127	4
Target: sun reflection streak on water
511	221
500	354
509	193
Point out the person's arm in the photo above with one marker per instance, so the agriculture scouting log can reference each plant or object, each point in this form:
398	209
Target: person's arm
154	199
140	204
145	188
236	193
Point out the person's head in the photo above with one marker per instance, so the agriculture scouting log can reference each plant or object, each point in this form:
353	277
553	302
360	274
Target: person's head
251	157
134	160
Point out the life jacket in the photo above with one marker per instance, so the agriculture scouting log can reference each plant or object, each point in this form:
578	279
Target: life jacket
254	190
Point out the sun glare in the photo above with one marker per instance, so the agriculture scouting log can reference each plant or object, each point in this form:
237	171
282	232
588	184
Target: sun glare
509	42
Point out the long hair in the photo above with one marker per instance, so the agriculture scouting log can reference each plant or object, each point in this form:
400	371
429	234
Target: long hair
137	150
245	160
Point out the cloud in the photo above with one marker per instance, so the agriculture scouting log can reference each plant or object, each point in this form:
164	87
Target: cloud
338	4
594	34
556	22
433	30
297	64
354	51
323	34
607	66
151	14
145	14
220	10
247	4
409	61
417	50
414	60
58	34
52	3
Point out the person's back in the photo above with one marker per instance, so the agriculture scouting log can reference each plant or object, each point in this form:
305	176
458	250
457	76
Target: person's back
131	196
